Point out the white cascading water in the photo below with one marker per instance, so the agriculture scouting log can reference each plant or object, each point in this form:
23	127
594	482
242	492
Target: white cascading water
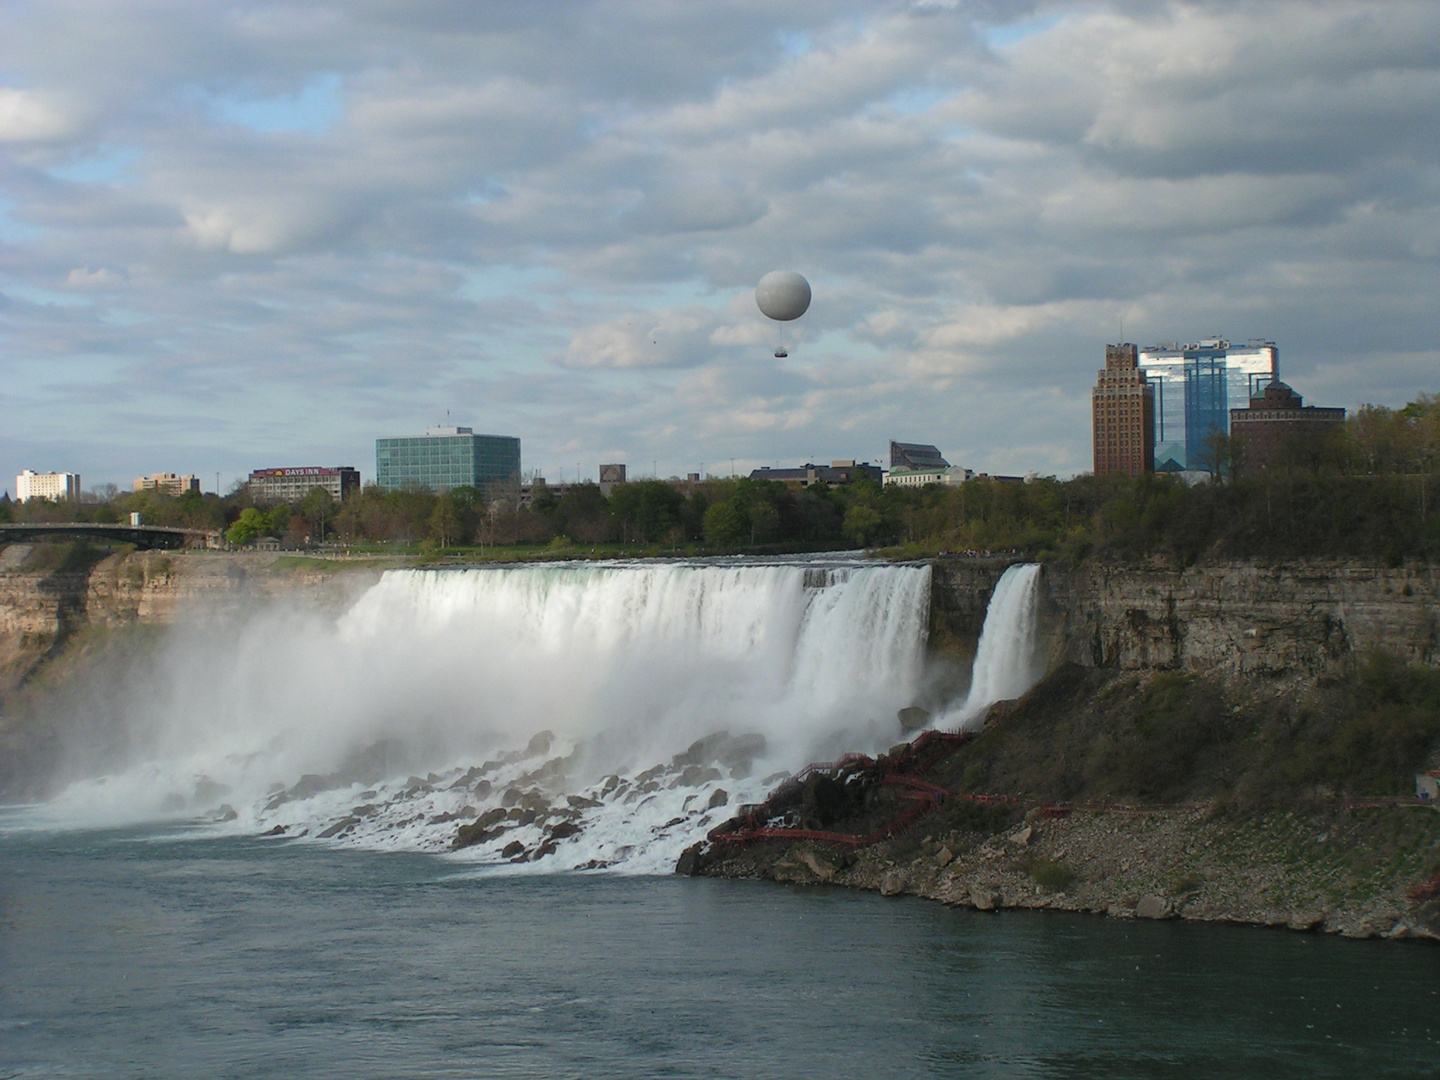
1007	663
412	713
596	715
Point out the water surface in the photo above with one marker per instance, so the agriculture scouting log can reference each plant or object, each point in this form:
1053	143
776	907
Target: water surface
134	954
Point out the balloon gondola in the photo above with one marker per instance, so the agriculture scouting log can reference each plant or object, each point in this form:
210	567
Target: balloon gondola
782	295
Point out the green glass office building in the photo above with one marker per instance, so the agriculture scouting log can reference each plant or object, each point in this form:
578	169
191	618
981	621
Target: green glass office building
445	458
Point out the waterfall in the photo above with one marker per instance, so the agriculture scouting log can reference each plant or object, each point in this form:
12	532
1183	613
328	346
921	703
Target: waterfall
1007	663
609	711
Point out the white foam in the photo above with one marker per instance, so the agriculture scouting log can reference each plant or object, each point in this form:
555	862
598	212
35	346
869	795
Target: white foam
435	672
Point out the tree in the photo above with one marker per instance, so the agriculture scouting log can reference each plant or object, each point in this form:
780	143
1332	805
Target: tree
1218	456
726	525
764	523
445	521
250	524
583	515
862	522
318	508
647	510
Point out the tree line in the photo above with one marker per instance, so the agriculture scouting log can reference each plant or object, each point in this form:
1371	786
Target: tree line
1365	490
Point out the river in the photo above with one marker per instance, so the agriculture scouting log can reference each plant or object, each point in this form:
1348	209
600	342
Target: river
179	953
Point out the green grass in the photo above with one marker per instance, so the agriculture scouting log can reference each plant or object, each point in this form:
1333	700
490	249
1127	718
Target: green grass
1053	875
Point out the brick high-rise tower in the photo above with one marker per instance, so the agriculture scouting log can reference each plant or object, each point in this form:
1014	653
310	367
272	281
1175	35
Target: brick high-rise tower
1124	415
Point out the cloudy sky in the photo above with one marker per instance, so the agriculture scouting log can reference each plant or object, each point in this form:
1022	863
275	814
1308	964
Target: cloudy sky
246	234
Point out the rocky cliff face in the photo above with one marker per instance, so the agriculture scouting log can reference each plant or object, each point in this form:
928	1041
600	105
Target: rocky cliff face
1246	619
40	609
1234	620
959	593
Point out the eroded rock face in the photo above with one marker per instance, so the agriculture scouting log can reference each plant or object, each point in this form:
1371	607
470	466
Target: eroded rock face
1244	618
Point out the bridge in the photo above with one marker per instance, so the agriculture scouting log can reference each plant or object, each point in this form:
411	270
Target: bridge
142	536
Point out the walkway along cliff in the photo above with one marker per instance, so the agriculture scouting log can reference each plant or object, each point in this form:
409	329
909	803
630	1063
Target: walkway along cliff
1225	743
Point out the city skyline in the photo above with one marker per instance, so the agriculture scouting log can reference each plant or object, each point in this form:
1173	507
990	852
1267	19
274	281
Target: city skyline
243	235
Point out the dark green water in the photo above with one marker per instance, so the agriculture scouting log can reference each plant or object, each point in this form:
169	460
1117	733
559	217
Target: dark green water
123	955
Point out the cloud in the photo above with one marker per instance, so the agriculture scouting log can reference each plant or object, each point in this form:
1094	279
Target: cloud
675	337
98	278
266	229
27	117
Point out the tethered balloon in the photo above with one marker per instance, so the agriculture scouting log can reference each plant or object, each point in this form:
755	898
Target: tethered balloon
784	296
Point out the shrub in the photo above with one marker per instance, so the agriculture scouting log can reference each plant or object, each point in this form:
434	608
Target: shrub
1053	875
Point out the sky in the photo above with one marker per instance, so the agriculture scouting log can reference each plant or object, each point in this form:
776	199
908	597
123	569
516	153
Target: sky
237	235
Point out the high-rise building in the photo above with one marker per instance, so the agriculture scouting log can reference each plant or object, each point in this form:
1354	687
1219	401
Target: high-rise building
60	486
167	483
1275	420
905	455
1196	386
445	458
1123	405
294	483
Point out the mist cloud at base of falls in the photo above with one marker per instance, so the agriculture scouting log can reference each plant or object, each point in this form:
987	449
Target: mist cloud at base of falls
435	672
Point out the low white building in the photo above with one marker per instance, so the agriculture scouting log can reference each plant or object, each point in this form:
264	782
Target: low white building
60	486
951	476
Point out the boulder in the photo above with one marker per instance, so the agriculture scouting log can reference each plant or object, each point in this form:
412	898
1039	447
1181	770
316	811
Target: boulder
695	776
472	774
1022	836
742	749
313	784
512	849
719	797
984	898
491	818
1427	915
343	825
278	830
689	861
580	802
821	864
1153	907
539	743
913	718
944	857
892	884
563	830
790	870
